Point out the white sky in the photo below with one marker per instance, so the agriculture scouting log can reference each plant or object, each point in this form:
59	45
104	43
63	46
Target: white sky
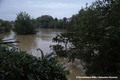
36	8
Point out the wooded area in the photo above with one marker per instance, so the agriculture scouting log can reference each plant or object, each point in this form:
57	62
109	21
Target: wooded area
93	36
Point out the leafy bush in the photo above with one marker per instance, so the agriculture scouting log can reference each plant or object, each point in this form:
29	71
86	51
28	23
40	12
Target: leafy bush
63	45
24	24
5	26
95	37
19	65
43	21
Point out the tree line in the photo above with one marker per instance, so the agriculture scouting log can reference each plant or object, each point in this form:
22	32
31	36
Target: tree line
25	24
47	21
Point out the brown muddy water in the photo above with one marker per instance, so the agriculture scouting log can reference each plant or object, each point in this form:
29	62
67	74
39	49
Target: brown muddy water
42	40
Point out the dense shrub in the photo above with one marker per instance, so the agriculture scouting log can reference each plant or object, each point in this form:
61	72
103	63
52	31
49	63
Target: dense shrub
24	24
95	37
5	26
19	65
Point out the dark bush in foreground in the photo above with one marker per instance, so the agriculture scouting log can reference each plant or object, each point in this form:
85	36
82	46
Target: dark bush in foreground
18	65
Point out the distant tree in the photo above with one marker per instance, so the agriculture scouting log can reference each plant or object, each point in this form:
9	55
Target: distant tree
44	21
56	19
59	24
24	24
62	23
5	26
1	20
34	21
47	21
52	24
65	19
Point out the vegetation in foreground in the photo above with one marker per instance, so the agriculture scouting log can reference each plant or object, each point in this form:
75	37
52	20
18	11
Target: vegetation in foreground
94	36
19	65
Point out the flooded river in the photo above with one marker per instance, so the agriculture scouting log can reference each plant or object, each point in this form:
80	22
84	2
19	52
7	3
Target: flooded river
42	40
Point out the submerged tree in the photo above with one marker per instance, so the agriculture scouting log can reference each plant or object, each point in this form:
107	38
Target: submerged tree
24	24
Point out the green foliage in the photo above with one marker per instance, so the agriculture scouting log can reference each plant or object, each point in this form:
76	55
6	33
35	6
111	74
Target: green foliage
95	38
43	21
5	26
34	21
47	21
65	19
61	48
52	24
62	24
19	65
56	19
24	24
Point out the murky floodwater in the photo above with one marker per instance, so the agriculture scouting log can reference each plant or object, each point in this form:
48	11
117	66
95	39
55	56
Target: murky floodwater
42	40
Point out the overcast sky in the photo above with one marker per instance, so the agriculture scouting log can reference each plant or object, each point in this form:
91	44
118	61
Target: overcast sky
36	8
